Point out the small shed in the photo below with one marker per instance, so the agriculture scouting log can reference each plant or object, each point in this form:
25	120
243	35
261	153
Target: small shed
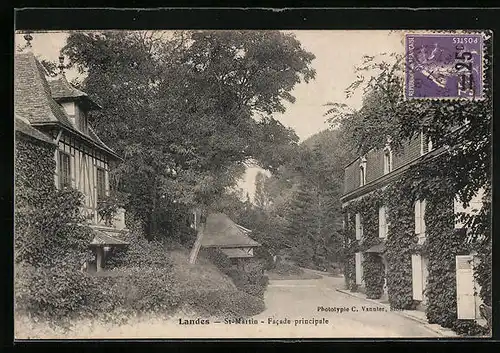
102	244
231	239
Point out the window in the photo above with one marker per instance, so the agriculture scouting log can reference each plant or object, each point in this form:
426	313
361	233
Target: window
420	220
359	227
429	144
101	183
64	170
82	121
425	143
387	160
359	267
362	172
382	222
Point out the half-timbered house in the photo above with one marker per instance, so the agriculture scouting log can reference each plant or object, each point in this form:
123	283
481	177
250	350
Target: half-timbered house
59	111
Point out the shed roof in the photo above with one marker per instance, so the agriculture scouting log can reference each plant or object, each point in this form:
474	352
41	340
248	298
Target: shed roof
378	248
103	239
35	98
221	231
236	253
62	90
22	125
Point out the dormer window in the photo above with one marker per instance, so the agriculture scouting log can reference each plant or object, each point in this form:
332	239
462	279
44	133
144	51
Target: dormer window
425	143
362	172
77	116
81	122
69	108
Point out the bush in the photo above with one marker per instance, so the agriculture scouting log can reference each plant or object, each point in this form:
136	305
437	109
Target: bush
469	328
287	269
140	253
226	302
133	290
47	292
250	280
264	254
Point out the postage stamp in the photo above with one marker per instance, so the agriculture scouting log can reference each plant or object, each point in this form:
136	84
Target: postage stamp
444	65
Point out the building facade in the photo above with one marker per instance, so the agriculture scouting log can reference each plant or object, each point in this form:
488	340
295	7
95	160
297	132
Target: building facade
371	266
56	110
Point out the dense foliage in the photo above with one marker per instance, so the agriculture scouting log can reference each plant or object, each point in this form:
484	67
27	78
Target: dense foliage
188	109
296	210
250	279
50	246
373	268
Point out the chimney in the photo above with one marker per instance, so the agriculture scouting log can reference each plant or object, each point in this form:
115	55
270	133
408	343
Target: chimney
61	66
28	38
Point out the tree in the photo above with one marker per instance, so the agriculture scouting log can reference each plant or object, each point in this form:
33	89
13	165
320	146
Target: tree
302	198
261	200
183	108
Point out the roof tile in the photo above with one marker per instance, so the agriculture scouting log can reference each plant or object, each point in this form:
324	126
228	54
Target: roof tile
33	96
221	231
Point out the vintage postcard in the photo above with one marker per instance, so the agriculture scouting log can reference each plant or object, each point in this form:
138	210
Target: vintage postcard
252	184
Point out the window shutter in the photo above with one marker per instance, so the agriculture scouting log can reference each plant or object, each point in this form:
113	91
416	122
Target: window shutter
359	267
386	224
466	306
381	222
358	226
423	205
416	275
417	217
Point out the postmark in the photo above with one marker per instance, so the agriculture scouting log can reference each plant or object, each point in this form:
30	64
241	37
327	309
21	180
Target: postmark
443	66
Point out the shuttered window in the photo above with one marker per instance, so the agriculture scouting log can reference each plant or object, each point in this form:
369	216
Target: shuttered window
359	267
417	280
362	175
420	219
466	303
64	170
359	227
101	183
387	160
382	222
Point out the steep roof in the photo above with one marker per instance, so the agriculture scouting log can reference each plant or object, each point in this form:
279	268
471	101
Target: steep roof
32	95
35	97
62	90
221	231
22	125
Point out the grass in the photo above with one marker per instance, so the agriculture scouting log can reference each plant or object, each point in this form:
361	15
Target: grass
288	271
203	291
203	274
303	276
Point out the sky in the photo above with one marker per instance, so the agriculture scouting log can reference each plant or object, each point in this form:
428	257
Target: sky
337	53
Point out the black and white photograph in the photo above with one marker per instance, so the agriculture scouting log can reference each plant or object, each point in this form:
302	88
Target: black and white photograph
185	184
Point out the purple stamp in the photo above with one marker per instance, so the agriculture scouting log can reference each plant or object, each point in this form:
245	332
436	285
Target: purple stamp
444	65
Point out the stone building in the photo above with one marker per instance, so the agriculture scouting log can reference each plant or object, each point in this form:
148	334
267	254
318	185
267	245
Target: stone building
370	175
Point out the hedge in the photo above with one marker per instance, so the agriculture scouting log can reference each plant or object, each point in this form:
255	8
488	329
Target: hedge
252	281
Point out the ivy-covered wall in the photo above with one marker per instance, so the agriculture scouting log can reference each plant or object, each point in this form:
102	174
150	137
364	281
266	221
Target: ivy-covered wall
400	245
373	274
441	246
34	170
